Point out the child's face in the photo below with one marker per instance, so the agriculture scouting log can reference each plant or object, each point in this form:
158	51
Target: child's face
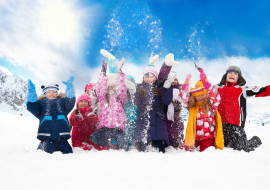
201	98
175	81
112	87
51	94
232	77
83	104
149	78
90	92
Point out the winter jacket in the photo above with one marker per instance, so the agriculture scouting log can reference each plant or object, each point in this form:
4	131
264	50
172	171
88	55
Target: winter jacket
175	128
205	124
112	113
52	115
233	105
83	129
151	122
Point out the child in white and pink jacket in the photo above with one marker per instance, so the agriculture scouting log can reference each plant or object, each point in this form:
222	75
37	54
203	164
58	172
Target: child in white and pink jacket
112	94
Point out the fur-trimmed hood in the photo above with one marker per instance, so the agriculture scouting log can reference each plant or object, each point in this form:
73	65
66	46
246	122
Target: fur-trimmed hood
60	96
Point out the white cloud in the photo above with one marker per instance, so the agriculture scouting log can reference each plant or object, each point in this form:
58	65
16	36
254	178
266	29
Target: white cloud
5	70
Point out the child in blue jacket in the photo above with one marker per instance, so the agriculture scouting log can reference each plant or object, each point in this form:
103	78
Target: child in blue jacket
52	109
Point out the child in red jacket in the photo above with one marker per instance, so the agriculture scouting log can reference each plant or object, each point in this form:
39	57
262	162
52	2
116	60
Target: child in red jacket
83	121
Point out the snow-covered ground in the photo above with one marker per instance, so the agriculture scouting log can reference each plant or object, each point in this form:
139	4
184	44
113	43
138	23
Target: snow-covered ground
24	167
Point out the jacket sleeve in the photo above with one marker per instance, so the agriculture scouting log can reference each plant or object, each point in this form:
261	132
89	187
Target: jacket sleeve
214	98
167	95
101	87
164	71
73	121
34	108
69	104
256	91
121	88
184	95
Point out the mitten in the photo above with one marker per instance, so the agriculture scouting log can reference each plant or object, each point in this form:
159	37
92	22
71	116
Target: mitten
185	86
31	94
78	116
131	86
169	59
70	91
120	65
203	77
107	54
153	59
169	81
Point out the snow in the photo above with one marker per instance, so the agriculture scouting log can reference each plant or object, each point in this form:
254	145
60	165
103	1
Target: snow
24	167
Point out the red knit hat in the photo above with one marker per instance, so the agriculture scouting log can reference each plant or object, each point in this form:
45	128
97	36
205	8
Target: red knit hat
84	97
89	86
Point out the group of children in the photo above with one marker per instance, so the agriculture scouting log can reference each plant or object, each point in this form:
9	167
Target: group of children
116	113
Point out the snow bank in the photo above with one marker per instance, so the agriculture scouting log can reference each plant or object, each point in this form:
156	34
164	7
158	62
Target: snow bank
24	167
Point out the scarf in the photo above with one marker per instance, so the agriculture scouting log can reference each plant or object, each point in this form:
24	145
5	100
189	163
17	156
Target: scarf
191	128
170	112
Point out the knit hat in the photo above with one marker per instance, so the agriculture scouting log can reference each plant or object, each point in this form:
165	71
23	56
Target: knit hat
111	79
234	69
83	97
198	90
89	86
130	77
151	69
54	87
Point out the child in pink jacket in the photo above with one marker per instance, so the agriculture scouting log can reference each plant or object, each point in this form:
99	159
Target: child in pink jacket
112	94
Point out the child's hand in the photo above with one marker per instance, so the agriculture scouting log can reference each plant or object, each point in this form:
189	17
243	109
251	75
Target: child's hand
120	65
169	60
169	81
69	82
104	67
199	69
185	86
107	54
153	59
79	116
30	85
31	94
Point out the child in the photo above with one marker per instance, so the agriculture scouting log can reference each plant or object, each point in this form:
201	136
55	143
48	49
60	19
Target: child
91	91
233	109
175	124
111	92
204	126
150	98
83	120
52	109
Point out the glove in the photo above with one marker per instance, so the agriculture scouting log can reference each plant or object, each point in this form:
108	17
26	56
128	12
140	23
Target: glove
31	94
203	77
107	54
120	65
91	115
131	86
153	59
169	81
169	59
79	116
185	86
104	67
70	92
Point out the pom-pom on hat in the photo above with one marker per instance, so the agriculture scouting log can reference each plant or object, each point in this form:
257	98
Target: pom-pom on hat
198	89
54	87
83	97
89	86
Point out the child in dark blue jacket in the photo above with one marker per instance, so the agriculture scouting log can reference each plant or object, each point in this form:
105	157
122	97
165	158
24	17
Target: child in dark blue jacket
52	109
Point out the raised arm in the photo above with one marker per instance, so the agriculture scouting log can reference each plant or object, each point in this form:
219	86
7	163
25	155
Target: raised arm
32	103
101	87
70	94
184	94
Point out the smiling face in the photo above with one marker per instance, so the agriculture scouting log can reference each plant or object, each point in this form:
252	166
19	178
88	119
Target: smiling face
51	94
83	104
90	92
149	78
232	77
201	98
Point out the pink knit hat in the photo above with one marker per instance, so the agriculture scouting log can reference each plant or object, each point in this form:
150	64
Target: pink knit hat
89	86
84	97
151	69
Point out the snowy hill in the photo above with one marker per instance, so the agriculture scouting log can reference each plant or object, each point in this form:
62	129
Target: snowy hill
24	167
13	94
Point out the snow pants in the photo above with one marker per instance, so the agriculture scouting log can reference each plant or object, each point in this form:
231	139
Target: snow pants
52	145
204	144
130	132
101	137
175	131
161	145
236	138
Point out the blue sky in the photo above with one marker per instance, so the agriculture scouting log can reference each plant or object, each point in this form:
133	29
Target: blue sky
50	40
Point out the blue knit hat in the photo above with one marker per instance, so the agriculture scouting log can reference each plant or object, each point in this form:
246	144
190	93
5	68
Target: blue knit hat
130	77
54	87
